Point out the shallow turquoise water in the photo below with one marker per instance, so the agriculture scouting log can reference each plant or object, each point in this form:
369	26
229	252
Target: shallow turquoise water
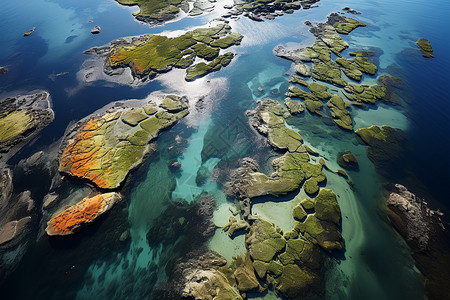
376	264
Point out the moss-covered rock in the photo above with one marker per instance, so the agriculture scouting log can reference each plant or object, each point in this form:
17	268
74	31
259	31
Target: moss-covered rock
319	90
263	241
328	71
347	160
201	69
22	117
296	92
298	212
339	112
149	55
294	107
371	134
303	70
364	93
425	46
346	25
106	147
298	80
307	204
155	11
234	225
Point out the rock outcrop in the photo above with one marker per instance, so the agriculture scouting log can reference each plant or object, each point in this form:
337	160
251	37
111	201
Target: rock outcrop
106	147
84	212
149	55
21	118
426	232
425	47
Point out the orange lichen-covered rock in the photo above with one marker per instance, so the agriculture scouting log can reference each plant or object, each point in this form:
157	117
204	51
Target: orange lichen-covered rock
109	146
84	212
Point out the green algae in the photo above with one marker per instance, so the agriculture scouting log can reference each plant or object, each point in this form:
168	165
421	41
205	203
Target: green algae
155	11
372	133
296	92
339	112
319	90
328	71
133	117
298	80
14	124
202	69
365	93
425	47
347	25
149	55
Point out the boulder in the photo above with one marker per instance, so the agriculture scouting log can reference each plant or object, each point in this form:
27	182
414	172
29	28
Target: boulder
84	212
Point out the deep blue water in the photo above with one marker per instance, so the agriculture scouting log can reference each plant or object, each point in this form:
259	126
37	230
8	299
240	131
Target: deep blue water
376	265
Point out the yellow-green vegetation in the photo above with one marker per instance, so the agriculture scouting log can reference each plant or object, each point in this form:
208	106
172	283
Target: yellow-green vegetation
149	55
425	46
298	80
14	124
372	133
328	71
290	169
201	69
332	39
155	11
294	107
319	90
339	112
364	93
354	68
347	25
108	146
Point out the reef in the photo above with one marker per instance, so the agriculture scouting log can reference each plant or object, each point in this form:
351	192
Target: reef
386	148
339	112
105	148
21	118
363	93
347	160
425	232
149	55
425	47
294	107
82	213
290	169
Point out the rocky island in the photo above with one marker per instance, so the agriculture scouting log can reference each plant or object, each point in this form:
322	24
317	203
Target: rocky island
150	55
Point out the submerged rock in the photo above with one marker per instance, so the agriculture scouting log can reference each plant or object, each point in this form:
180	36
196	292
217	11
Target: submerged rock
29	32
84	212
3	70
347	160
234	225
425	231
425	47
21	118
106	147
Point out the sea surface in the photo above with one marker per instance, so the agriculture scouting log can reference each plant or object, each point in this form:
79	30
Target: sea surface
376	264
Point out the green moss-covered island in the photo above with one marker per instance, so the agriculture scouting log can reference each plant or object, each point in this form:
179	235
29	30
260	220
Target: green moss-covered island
149	55
425	46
